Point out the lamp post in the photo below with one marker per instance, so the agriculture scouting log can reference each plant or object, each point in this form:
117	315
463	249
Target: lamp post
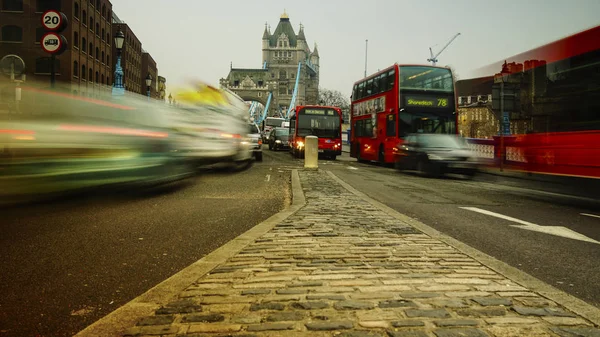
118	87
148	84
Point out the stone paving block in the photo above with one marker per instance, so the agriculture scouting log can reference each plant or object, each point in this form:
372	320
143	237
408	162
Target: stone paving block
456	322
449	287
267	306
464	332
286	316
407	333
518	331
309	305
372	289
179	307
447	303
511	320
256	292
467	294
353	305
360	334
535	302
557	320
199	318
432	313
271	327
158	330
485	312
396	304
210	327
333	325
227	308
403	323
576	331
419	295
492	301
530	311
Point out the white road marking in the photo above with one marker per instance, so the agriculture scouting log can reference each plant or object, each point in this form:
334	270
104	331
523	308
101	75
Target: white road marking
552	230
591	215
352	168
268	177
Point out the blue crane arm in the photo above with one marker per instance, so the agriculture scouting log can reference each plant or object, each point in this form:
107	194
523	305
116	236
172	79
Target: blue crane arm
293	101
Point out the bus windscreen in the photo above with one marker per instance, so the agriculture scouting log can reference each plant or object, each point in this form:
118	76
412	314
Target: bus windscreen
324	123
425	78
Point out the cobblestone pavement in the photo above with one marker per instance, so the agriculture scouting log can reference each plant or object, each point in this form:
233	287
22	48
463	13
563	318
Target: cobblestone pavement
341	267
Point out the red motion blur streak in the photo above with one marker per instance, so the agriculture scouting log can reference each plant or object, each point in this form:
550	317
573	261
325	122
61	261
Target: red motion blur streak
113	130
17	132
80	98
573	45
574	154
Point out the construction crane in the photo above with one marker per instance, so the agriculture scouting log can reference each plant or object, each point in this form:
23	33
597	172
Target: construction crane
433	58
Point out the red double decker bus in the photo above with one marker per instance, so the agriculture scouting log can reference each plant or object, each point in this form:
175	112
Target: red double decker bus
325	122
558	87
397	101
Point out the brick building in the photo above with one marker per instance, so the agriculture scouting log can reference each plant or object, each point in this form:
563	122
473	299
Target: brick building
85	67
131	57
149	67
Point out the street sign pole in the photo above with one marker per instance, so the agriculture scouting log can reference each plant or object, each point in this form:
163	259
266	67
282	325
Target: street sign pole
502	125
52	71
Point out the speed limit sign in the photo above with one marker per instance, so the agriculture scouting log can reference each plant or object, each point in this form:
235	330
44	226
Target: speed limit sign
54	21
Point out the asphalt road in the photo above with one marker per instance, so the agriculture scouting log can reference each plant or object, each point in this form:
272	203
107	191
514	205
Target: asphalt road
484	213
66	264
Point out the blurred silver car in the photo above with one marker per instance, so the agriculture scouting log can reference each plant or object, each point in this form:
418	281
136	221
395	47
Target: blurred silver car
436	154
61	142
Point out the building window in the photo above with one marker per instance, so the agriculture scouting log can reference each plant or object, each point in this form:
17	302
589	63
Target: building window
83	44
91	22
102	36
97	77
84	17
91	77
91	50
39	33
42	65
76	10
107	59
12	5
12	33
97	28
104	11
282	74
44	5
103	80
75	69
108	38
102	57
97	53
75	39
107	79
83	71
98	5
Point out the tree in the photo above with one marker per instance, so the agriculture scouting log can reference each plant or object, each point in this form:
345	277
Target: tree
335	98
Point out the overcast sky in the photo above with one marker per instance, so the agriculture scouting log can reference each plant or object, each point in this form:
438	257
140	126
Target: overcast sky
197	39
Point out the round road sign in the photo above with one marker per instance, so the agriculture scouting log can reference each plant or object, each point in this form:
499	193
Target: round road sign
53	20
12	64
53	43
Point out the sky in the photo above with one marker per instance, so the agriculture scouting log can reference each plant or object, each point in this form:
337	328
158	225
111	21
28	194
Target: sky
198	39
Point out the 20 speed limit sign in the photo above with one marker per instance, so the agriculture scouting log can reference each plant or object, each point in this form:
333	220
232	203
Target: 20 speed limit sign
53	20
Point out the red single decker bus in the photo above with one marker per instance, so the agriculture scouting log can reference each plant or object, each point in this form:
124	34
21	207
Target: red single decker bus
325	122
397	101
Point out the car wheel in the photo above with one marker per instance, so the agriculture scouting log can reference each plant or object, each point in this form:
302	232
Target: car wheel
258	156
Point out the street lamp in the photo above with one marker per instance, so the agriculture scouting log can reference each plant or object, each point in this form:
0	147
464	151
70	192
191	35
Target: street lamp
118	87
148	84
